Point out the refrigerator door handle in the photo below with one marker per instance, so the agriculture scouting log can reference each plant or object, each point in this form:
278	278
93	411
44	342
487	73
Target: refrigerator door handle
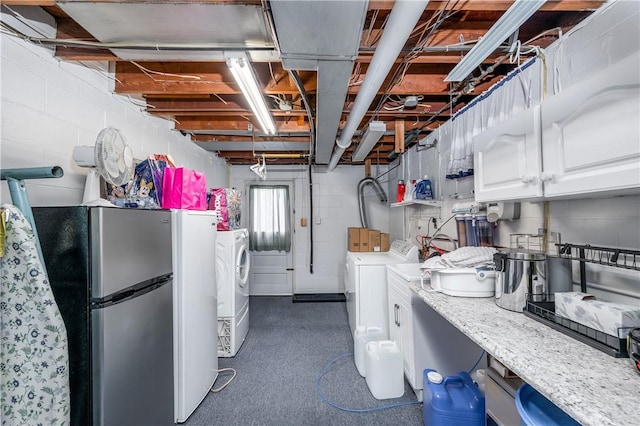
128	293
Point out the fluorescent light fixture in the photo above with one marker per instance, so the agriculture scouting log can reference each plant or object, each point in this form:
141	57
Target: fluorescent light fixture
240	67
513	18
371	137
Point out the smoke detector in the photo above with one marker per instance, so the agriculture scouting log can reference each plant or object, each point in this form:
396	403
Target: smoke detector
410	101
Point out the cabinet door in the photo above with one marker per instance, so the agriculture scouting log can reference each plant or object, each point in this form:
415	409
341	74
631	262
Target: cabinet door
507	159
394	328
591	133
405	338
401	327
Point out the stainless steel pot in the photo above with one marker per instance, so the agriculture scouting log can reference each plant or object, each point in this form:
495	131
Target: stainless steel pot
520	274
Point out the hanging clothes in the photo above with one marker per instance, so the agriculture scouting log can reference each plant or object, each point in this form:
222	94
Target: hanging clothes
34	358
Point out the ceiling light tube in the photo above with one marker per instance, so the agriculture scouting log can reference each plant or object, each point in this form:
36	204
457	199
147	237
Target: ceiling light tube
240	67
513	18
371	137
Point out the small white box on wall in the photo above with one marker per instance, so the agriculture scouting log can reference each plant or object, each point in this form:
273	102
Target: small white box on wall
611	318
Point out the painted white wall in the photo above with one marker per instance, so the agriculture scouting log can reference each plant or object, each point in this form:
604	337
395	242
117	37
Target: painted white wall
335	208
49	107
603	221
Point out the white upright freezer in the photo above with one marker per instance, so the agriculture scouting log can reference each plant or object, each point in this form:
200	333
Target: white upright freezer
195	307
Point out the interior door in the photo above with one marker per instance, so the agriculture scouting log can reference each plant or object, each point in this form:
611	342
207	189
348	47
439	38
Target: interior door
272	271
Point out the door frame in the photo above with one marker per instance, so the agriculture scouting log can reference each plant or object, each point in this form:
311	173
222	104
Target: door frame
290	183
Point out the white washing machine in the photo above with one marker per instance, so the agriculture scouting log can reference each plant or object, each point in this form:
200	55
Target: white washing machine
366	284
232	274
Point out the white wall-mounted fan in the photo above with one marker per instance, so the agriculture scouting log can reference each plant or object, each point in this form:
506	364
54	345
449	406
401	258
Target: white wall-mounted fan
110	158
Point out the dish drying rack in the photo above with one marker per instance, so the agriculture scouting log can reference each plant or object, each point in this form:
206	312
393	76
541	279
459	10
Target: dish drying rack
544	311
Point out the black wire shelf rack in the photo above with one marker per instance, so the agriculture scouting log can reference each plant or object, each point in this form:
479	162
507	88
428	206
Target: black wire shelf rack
544	311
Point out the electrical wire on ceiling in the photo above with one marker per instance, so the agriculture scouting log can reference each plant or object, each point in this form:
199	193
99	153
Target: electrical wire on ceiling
456	93
46	41
149	73
432	25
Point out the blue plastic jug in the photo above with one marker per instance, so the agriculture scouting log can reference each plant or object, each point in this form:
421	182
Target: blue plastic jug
451	400
424	189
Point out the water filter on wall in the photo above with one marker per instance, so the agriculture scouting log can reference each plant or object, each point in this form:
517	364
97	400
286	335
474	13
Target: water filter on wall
503	211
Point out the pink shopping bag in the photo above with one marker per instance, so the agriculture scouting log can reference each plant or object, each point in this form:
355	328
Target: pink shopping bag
184	188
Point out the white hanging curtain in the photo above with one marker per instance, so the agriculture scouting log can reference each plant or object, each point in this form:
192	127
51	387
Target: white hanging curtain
269	218
519	90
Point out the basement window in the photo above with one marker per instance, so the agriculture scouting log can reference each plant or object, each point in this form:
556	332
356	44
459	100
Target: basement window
269	218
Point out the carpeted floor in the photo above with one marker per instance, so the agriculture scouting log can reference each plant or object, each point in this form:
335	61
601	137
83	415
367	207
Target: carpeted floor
288	345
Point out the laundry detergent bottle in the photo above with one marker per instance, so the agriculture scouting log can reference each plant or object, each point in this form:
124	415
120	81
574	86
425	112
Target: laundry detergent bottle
424	189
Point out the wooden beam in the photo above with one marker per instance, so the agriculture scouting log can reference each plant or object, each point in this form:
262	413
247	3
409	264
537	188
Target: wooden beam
249	139
367	167
159	78
41	3
190	123
156	78
399	147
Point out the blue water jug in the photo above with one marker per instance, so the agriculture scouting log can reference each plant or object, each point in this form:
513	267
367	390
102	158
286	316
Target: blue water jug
451	400
424	189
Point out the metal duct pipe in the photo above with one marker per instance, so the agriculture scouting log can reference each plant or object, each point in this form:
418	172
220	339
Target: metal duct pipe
402	20
378	188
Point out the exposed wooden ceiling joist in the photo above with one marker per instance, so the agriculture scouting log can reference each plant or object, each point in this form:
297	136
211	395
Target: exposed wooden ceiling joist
203	100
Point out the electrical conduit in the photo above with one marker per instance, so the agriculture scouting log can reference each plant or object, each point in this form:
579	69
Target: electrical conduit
402	20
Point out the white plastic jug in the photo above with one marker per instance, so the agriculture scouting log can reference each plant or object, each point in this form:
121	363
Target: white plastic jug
384	370
361	336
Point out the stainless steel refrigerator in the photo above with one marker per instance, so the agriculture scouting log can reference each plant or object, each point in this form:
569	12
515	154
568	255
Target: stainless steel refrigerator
111	274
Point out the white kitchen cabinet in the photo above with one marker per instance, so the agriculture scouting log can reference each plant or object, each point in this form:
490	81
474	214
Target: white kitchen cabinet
507	159
583	141
591	133
400	326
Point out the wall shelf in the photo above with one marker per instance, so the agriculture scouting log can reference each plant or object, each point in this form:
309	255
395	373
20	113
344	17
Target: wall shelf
433	203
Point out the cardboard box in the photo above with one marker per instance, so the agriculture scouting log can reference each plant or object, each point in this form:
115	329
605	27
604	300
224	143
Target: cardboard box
353	239
615	319
384	241
374	240
364	240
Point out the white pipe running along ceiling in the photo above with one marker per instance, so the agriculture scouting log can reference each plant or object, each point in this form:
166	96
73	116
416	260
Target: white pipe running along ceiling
402	20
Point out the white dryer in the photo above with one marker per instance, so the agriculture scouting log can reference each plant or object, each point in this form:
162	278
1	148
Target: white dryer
366	284
232	273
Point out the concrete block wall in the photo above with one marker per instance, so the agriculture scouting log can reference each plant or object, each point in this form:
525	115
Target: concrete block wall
49	107
335	207
604	220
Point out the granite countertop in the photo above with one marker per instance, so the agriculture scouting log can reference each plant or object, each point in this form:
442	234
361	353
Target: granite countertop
592	387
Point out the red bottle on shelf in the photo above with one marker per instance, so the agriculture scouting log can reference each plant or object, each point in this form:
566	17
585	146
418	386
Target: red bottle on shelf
401	189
